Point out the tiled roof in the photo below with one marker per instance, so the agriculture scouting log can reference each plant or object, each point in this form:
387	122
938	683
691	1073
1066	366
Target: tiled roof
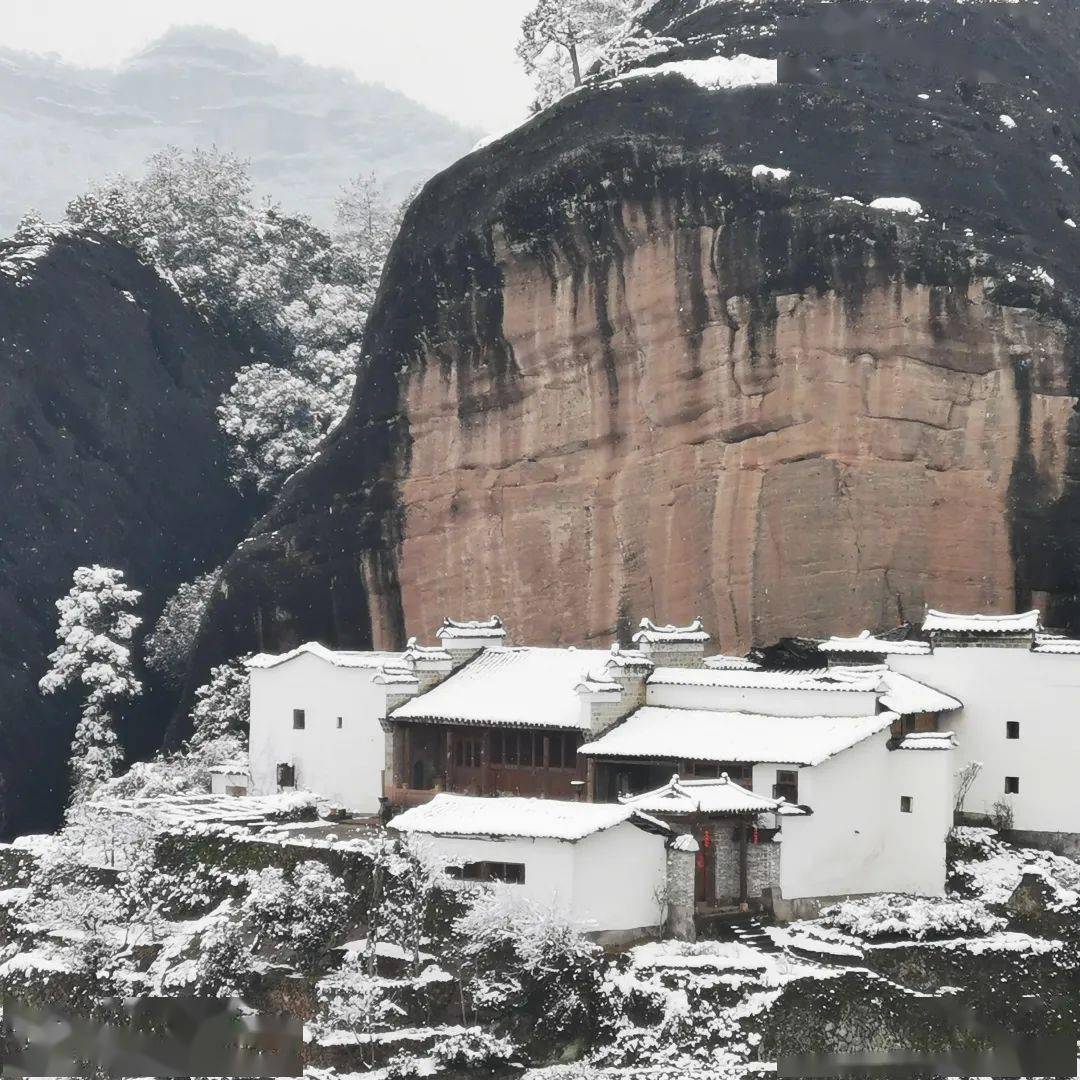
867	643
655	731
720	662
470	815
337	657
1061	646
474	628
905	695
943	621
711	796
509	685
854	679
653	634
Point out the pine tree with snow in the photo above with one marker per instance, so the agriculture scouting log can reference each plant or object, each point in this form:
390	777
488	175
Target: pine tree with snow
556	36
222	705
94	657
169	646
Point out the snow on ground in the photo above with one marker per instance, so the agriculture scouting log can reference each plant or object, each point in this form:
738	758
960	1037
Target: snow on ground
916	917
997	870
898	205
1059	164
715	73
767	170
1006	121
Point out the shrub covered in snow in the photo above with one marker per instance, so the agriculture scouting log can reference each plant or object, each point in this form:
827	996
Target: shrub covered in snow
540	962
303	912
222	706
474	1051
917	917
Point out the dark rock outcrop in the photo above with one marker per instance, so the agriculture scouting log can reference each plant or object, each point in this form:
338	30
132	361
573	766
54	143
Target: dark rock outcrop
611	371
110	454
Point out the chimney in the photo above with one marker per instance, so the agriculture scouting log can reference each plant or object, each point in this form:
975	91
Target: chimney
611	693
672	646
463	640
429	663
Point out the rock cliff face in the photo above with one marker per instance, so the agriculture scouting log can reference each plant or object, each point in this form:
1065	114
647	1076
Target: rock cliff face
615	370
111	454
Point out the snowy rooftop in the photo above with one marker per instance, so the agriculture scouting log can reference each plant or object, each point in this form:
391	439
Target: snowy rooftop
653	634
852	679
414	652
192	809
619	657
906	695
337	657
720	662
230	768
943	621
867	643
599	682
698	735
470	815
712	796
454	629
1061	646
511	685
927	740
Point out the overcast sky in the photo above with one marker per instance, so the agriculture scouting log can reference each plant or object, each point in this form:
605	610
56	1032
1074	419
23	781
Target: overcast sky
456	56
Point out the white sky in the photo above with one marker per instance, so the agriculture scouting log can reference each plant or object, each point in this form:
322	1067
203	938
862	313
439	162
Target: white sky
455	56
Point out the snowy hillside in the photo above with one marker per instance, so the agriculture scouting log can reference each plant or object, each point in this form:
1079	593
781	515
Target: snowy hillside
307	130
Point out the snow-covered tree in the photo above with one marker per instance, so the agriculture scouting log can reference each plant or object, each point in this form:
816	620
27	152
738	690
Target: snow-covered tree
222	705
168	647
94	656
557	35
302	913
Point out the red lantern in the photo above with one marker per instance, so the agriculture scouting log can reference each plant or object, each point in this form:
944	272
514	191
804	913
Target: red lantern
706	838
700	861
755	839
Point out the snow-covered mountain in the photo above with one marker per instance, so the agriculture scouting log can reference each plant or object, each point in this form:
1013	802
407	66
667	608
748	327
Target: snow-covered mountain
307	130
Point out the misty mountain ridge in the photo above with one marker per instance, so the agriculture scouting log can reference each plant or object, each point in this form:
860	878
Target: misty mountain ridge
306	130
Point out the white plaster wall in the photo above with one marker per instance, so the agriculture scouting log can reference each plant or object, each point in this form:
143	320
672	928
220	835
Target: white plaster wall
857	840
1042	692
617	873
761	700
220	781
604	882
344	764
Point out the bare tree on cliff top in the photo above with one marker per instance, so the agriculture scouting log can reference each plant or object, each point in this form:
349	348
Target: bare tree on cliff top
557	33
95	630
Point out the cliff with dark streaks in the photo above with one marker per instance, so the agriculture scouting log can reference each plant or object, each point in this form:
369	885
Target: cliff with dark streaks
611	371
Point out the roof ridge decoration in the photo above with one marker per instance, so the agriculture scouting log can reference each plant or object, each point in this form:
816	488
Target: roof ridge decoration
1022	622
415	651
710	795
724	662
598	681
867	642
338	657
627	658
669	634
491	627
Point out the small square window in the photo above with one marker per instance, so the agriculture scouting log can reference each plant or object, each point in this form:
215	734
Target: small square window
787	786
1012	729
905	804
299	721
1012	785
339	721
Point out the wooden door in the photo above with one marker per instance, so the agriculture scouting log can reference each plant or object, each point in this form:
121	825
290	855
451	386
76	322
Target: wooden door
705	863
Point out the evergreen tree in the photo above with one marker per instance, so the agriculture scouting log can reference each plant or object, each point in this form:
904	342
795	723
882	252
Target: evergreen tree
94	656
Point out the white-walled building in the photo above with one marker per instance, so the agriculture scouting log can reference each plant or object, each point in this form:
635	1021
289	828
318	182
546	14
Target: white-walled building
1020	717
602	866
317	722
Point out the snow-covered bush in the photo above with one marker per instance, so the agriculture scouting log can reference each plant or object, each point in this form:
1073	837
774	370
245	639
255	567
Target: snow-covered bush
358	1002
536	949
168	647
474	1051
95	628
223	965
404	1066
303	912
185	773
916	917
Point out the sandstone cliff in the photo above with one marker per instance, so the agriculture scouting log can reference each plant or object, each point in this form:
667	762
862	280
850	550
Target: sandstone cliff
612	371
